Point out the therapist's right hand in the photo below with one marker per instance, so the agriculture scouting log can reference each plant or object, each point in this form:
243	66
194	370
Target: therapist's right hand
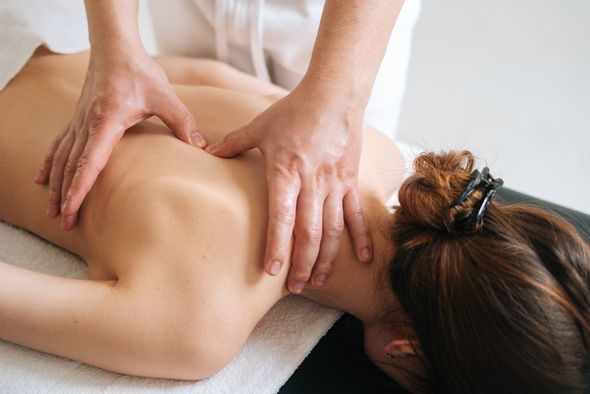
121	89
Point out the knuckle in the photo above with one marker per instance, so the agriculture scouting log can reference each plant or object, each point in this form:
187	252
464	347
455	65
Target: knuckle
325	266
359	213
284	217
229	138
287	166
186	116
94	125
84	163
99	108
301	273
364	238
74	192
75	124
348	175
70	168
57	158
334	230
311	234
325	172
52	191
54	145
48	160
284	213
99	115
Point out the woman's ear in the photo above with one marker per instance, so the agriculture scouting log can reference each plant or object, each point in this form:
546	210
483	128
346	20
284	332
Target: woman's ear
400	348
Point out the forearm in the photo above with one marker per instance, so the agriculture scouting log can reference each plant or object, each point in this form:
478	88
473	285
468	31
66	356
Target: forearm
52	314
350	45
112	24
96	322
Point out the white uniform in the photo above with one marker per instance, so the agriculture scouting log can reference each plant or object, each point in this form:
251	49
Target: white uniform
272	39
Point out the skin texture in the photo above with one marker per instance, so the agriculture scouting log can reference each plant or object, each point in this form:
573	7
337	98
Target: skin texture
312	190
312	159
173	236
123	86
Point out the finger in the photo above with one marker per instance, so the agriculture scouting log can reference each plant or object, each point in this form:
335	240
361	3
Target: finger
56	175
92	160
331	236
354	217
42	176
234	143
308	235
69	220
282	199
181	121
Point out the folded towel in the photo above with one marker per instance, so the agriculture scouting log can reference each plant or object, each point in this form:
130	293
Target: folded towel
280	342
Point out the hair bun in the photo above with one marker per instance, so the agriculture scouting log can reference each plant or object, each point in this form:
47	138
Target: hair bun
426	197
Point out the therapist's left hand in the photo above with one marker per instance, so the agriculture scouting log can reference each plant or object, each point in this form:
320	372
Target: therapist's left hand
311	143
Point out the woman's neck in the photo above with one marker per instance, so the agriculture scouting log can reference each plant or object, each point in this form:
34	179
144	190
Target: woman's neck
355	287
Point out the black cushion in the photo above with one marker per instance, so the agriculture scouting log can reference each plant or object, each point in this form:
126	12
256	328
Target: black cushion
580	220
338	363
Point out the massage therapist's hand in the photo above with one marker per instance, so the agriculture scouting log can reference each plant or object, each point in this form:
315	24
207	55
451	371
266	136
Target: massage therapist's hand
123	87
120	91
311	146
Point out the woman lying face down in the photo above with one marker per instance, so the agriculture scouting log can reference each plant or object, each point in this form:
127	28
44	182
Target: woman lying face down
496	305
173	238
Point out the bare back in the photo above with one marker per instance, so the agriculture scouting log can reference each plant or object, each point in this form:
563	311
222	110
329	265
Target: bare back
163	215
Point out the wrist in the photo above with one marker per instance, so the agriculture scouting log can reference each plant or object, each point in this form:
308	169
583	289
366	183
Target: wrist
112	25
121	43
118	53
334	96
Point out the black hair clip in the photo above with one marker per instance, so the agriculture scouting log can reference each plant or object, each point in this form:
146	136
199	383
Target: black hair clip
479	180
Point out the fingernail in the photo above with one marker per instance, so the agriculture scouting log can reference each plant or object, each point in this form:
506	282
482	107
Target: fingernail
38	176
67	221
65	204
51	209
366	254
212	148
297	287
275	267
197	139
319	280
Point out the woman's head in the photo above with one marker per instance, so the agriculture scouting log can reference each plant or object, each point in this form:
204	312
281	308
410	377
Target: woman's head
502	305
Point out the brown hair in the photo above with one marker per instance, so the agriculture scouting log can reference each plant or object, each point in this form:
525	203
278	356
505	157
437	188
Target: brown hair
501	308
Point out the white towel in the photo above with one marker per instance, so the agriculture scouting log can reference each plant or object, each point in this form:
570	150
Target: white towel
280	342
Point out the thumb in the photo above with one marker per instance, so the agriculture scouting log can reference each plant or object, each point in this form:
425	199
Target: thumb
181	121
234	143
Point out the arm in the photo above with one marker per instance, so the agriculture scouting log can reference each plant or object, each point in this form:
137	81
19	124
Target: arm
350	45
123	87
112	25
124	328
311	141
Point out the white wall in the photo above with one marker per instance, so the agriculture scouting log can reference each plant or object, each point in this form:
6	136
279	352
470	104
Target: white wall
510	80
146	29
